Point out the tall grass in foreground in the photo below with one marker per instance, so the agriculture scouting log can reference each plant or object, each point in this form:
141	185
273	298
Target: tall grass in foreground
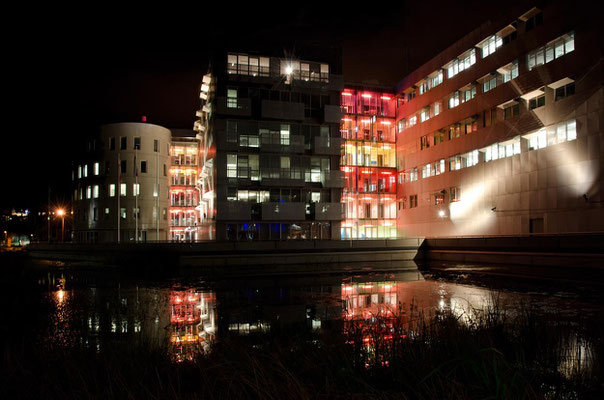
448	355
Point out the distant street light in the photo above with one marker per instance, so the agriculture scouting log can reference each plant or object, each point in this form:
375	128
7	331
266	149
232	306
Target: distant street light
61	213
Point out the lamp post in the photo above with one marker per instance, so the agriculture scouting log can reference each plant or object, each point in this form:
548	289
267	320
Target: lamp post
61	213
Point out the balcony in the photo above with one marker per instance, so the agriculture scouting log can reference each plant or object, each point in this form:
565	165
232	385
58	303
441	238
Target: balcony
233	210
332	114
235	107
282	177
328	146
282	110
327	211
293	144
332	179
283	211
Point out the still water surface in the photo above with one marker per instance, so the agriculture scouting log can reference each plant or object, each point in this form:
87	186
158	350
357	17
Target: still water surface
185	316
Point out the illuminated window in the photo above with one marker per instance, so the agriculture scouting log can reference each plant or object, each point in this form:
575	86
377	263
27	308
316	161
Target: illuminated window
232	98
413	120
463	62
136	213
112	190
424	115
95	168
454	100
284	135
555	49
88	192
123	189
136	189
439	198
489	82
107	211
123	213
95	191
85	170
436	108
79	171
490	45
468	94
231	165
510	71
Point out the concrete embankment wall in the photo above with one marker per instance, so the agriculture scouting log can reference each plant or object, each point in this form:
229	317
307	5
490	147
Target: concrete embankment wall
569	250
312	256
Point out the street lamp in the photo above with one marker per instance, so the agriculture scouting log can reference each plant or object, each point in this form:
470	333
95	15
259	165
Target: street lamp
61	213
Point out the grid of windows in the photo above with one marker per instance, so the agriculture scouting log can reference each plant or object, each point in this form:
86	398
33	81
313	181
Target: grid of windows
555	49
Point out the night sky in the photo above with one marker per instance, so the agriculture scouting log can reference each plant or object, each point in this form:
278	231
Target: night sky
66	74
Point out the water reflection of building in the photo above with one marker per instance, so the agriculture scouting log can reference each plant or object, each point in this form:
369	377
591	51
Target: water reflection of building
192	321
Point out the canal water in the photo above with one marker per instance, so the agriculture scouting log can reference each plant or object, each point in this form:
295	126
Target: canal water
184	316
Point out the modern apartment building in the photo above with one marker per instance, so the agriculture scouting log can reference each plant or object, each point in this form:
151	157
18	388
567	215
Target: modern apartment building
369	163
273	146
499	134
502	132
186	216
121	185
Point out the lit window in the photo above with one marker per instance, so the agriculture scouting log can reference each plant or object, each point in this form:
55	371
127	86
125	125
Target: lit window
95	191
85	170
510	71
79	171
555	49
123	189
284	135
136	188
95	168
490	45
489	82
231	165
232	98
122	213
454	100
88	192
112	190
413	120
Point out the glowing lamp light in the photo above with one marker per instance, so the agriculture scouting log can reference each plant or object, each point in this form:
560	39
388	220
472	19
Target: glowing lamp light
60	212
366	95
441	213
289	70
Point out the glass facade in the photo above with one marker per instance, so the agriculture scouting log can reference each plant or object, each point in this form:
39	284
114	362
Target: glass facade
186	215
369	164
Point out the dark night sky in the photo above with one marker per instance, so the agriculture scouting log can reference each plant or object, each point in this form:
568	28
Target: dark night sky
69	73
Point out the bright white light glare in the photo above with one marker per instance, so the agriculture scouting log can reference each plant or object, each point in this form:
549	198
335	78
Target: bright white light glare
289	70
441	213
